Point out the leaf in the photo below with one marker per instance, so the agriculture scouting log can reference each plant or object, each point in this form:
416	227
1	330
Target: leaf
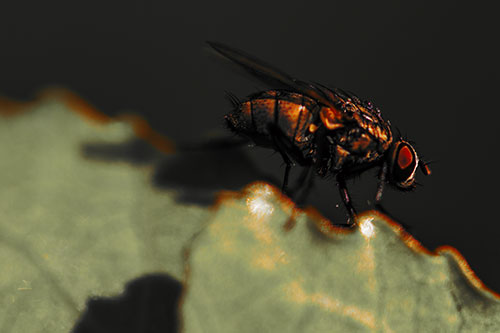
79	218
252	270
72	227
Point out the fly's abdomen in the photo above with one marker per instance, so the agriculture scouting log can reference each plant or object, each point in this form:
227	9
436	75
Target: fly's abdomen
291	113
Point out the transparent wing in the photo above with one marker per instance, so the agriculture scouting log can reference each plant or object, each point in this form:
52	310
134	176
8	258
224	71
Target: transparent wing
272	75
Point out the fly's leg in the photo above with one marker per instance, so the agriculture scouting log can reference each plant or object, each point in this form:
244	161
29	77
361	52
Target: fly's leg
287	150
288	167
306	177
346	199
382	177
278	141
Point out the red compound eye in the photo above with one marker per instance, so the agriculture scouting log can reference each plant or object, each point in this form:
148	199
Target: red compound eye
404	163
405	157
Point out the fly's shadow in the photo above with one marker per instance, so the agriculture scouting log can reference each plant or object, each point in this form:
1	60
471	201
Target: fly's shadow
196	171
149	304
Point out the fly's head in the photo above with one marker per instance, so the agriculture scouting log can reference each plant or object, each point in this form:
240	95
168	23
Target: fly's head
403	162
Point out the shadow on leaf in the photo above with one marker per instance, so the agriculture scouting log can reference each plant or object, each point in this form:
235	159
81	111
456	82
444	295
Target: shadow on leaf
134	151
149	304
196	175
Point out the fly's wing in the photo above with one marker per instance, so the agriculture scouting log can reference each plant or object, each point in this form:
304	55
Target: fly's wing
269	74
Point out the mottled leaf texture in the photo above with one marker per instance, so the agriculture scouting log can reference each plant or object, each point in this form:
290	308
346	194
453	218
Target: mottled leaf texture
72	226
253	269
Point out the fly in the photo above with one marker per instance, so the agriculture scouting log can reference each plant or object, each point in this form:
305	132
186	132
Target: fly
331	130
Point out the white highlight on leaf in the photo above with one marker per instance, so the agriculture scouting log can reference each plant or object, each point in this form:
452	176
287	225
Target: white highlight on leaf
258	204
366	228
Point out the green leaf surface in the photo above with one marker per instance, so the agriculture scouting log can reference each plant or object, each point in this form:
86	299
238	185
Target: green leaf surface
252	270
73	227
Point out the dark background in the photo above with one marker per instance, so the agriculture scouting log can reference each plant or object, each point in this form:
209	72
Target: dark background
431	66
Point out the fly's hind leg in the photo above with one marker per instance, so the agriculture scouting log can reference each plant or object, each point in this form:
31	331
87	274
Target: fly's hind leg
281	146
289	164
346	198
287	151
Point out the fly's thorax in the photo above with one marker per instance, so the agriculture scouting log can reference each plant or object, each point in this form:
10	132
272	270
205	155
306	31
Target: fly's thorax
354	138
375	128
348	148
332	118
364	127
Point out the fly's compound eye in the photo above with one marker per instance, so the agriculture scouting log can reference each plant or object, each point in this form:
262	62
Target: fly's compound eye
403	163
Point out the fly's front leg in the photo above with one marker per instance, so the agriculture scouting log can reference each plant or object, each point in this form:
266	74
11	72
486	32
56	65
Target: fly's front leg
346	199
382	178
